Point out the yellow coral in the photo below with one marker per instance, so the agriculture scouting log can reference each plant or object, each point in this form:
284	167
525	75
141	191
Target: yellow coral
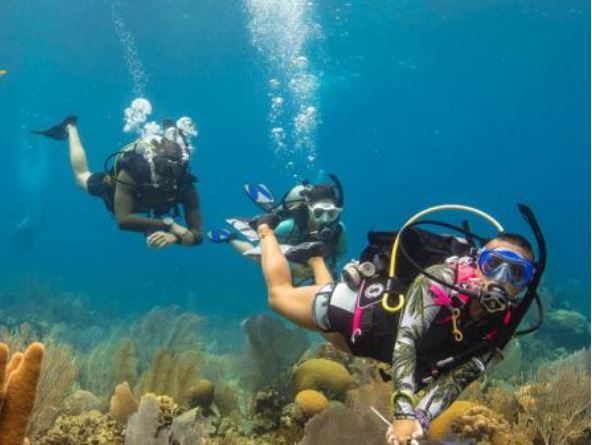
322	375
92	428
441	427
484	424
311	402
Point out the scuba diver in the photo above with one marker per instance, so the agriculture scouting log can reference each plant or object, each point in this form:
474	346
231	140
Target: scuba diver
308	224
150	176
438	317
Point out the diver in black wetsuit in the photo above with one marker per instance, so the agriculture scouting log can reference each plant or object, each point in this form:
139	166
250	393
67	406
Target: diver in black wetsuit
151	176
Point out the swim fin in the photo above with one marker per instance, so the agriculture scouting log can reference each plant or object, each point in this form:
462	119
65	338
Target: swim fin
260	195
242	226
220	236
58	132
255	252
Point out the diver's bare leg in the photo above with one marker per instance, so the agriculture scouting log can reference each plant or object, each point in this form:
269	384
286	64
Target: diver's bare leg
78	160
320	270
241	246
293	303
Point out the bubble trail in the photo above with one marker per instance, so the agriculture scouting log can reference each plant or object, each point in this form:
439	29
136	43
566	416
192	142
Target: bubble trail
282	31
130	50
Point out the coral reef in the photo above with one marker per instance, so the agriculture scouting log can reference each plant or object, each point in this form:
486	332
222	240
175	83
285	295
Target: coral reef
171	374
489	427
323	375
59	370
226	398
91	428
18	389
106	364
166	328
201	394
81	401
441	427
271	350
151	424
311	402
339	425
165	338
123	403
557	402
191	427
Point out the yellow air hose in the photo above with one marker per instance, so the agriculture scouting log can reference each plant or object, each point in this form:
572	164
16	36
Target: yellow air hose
385	304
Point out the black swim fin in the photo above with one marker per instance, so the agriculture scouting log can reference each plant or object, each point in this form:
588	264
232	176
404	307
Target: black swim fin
58	132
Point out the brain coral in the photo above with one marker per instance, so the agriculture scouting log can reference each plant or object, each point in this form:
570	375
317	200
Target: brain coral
311	402
323	375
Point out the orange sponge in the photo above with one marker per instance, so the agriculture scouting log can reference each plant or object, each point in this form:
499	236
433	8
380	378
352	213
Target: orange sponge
19	387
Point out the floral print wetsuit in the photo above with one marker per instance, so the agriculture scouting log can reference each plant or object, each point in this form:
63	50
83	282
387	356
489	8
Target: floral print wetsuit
417	317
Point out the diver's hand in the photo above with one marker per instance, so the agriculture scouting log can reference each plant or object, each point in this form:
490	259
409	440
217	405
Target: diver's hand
404	432
160	239
178	229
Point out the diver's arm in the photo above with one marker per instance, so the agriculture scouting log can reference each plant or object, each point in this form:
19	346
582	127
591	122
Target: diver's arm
192	218
445	389
124	208
417	316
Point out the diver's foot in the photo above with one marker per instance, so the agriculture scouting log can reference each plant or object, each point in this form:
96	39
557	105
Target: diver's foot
269	219
58	132
301	253
220	236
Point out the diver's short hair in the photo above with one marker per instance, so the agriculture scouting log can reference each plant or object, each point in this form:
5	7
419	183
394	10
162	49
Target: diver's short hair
516	239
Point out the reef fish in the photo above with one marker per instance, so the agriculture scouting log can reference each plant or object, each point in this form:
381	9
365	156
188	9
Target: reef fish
3	72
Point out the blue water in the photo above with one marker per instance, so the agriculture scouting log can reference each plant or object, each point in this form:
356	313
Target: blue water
420	103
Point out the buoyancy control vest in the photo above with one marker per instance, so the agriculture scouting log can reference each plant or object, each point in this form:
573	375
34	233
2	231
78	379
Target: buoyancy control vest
374	329
150	197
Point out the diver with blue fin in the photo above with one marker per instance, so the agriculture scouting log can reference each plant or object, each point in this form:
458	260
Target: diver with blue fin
437	309
307	222
147	183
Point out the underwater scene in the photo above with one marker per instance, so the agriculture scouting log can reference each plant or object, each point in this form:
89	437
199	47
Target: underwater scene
278	222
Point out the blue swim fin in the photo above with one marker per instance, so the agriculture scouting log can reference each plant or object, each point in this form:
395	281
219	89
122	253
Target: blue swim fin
242	226
260	195
219	236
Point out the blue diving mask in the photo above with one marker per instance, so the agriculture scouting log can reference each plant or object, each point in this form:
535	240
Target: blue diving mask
506	266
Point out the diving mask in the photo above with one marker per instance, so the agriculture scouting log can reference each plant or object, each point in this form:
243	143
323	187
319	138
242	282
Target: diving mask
325	212
506	266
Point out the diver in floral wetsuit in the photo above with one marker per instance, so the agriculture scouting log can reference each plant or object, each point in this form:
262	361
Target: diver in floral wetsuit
435	327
